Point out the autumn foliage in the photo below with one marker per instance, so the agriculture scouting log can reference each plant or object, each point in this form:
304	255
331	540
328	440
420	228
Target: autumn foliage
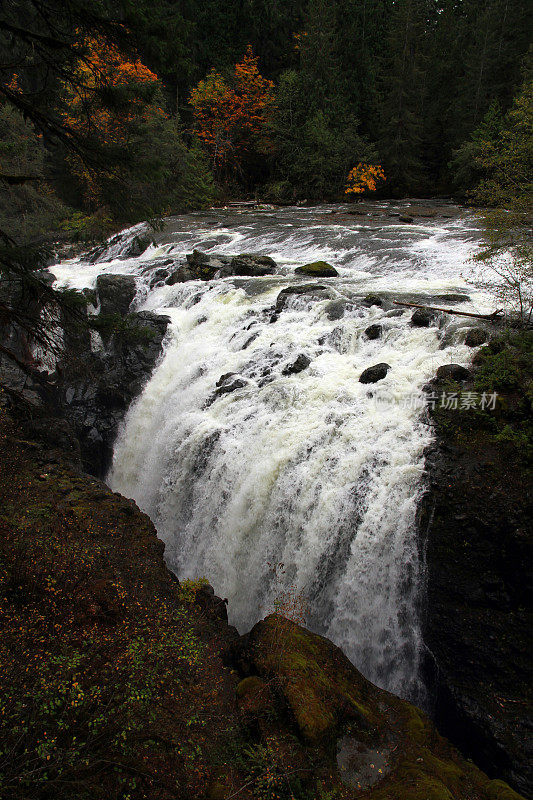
109	98
364	178
229	119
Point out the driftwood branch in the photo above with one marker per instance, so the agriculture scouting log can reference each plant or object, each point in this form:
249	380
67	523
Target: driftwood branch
490	317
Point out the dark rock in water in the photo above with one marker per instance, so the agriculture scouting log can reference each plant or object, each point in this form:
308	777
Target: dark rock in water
476	337
453	372
301	363
224	378
335	310
374	331
136	247
228	386
158	276
423	318
405	218
90	296
206	267
180	275
372	300
310	289
451	297
115	293
253	265
318	269
375	373
249	341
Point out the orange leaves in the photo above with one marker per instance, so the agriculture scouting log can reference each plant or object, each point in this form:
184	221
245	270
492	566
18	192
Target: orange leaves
364	178
102	67
107	97
227	118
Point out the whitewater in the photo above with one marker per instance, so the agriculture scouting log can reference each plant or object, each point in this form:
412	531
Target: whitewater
303	485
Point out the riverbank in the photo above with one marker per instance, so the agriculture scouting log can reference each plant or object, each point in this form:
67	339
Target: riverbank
124	683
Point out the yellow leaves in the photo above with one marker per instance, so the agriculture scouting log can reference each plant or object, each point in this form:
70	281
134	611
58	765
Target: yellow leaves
364	178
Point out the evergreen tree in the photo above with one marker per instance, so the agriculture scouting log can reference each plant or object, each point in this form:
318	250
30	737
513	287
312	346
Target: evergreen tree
403	95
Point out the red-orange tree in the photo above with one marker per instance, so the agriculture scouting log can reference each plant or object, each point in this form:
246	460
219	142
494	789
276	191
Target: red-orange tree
230	119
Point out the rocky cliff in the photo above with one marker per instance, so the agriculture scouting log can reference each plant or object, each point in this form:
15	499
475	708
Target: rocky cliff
476	524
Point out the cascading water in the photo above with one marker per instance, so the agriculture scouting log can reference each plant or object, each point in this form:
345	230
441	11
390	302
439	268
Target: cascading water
315	471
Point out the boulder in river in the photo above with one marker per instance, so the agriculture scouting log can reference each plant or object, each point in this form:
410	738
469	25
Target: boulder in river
301	363
253	265
374	331
115	293
453	372
229	382
205	267
335	310
372	300
180	275
375	373
423	318
318	269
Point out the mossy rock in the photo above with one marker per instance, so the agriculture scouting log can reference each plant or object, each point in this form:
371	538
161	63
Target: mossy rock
499	790
317	269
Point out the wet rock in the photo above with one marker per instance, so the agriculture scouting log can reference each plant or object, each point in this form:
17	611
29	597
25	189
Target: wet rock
301	363
180	275
205	267
253	265
374	331
310	289
318	269
453	372
375	373
335	310
249	341
229	383
372	300
476	337
405	218
423	318
224	378
158	276
115	293
136	247
336	339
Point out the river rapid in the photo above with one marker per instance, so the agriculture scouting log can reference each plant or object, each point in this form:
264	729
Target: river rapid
298	488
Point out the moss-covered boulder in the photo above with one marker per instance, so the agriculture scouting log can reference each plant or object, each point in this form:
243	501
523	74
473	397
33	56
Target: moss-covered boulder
318	269
334	708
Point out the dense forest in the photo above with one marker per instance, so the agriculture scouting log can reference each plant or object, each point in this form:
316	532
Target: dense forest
115	111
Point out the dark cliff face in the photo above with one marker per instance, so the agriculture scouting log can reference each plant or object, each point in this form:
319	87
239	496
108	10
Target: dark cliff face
102	367
476	525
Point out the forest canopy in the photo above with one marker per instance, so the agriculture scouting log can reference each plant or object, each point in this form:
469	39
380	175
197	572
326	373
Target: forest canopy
114	111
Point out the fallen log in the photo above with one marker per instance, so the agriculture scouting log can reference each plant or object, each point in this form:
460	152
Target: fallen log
489	317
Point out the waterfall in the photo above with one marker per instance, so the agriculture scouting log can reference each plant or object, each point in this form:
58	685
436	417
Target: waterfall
303	484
